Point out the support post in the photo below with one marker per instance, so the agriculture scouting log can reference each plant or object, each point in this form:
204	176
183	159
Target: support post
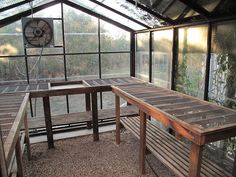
95	116
195	160
142	149
3	164
117	103
88	108
27	139
19	162
48	121
234	166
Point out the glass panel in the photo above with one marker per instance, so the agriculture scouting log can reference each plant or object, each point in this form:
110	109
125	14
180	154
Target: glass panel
82	67
222	86
11	42
115	65
132	11
113	38
209	5
109	14
5	3
12	69
192	60
46	68
81	31
108	100
50	12
142	56
58	105
22	8
162	58
77	103
175	10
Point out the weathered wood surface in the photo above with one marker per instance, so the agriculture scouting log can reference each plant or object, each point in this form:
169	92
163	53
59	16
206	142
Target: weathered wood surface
73	118
13	111
199	121
173	154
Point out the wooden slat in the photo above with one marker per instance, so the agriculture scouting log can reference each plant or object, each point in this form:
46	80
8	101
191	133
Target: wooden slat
171	152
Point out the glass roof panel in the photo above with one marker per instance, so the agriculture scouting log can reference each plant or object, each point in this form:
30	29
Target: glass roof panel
22	8
133	12
5	3
209	5
175	10
109	14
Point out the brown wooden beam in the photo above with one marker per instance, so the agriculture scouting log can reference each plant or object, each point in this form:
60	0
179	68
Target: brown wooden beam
117	104
95	116
3	165
48	121
142	149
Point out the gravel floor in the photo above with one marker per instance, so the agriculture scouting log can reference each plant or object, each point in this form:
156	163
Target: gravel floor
81	157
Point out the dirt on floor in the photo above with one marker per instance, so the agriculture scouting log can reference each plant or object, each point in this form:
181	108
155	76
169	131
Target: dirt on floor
81	157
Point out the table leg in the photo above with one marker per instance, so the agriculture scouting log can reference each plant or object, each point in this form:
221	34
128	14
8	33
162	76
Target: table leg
19	158
3	165
234	166
27	139
88	108
195	160
142	149
48	121
117	104
95	116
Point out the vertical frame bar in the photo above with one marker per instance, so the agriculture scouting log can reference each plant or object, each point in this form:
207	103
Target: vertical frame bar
88	108
208	62
99	59
27	138
150	56
195	160
117	104
142	148
19	162
48	121
95	116
64	54
132	54
175	49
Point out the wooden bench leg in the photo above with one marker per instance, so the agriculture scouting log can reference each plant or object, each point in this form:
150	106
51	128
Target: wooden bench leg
3	165
27	139
95	116
48	121
142	148
88	108
117	104
195	160
234	166
19	159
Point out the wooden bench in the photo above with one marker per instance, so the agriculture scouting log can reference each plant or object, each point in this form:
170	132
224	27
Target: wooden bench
81	117
171	152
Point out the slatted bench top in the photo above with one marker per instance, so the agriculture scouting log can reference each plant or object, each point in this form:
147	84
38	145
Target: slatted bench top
174	154
197	120
12	111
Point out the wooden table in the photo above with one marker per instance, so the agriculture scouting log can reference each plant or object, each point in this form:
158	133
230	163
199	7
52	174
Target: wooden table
199	121
88	87
12	114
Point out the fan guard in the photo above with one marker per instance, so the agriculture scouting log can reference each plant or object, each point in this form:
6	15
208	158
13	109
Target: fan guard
38	32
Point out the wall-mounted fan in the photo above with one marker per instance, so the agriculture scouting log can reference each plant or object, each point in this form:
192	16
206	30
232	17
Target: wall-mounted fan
38	32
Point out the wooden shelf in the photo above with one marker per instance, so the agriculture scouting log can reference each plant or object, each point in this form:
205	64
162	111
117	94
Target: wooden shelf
171	152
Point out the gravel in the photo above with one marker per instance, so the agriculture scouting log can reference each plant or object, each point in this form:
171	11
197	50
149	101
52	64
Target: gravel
81	157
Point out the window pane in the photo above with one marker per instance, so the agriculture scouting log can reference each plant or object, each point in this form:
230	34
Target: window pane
115	65
81	31
142	56
222	86
77	103
108	100
82	67
46	68
162	58
114	38
12	69
58	105
192	60
11	42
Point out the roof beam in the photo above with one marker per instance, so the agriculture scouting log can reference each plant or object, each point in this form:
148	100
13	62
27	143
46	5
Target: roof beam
193	5
156	3
90	12
166	19
11	19
119	13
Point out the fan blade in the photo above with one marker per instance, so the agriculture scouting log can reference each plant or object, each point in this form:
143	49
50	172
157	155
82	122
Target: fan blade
29	32
41	24
33	24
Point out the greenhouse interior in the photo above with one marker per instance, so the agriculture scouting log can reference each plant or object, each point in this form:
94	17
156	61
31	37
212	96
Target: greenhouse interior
121	88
